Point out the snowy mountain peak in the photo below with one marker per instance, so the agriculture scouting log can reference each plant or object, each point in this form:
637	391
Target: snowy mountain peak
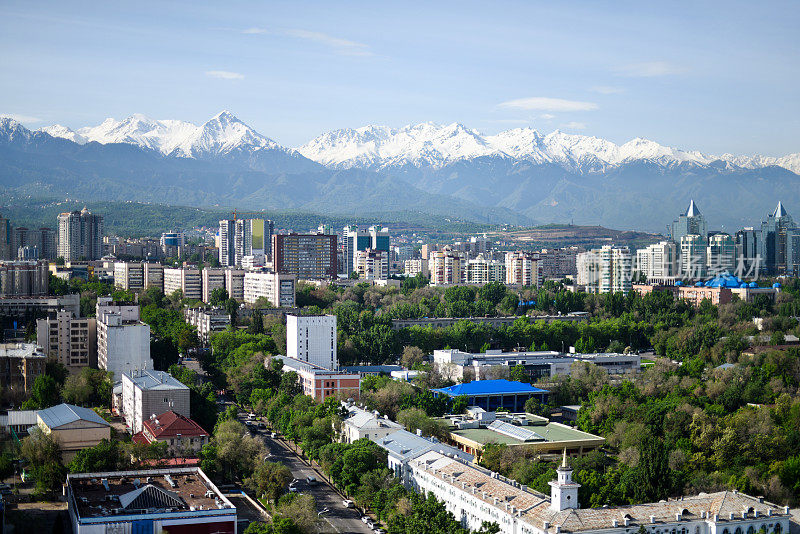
221	134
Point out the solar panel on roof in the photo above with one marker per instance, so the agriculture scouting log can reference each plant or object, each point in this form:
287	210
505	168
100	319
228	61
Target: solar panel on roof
516	432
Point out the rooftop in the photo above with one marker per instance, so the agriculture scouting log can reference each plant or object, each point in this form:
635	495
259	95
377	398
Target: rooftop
179	490
64	414
520	429
490	387
364	419
170	424
406	445
20	350
154	380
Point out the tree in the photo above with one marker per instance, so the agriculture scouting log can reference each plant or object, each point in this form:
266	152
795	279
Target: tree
269	479
412	357
43	454
232	307
219	296
354	275
236	453
43	394
302	509
105	456
256	322
414	419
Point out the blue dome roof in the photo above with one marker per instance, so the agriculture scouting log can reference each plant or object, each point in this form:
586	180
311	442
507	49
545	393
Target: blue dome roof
678	283
725	280
776	285
752	284
699	284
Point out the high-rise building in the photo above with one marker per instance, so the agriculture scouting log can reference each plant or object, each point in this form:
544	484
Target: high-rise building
123	341
482	270
241	238
173	239
20	365
308	256
779	243
658	261
44	239
80	236
185	278
372	264
693	256
691	222
523	269
71	340
278	288
748	252
720	254
445	267
558	262
312	339
605	270
24	278
415	267
374	237
7	248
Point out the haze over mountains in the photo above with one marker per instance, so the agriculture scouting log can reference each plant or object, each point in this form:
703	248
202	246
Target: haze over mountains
518	176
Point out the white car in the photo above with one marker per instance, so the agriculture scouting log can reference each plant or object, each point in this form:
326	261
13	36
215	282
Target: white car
347	503
364	519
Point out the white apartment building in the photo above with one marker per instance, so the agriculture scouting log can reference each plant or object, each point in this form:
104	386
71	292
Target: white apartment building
123	341
187	279
372	264
234	283
207	321
658	261
523	269
605	270
312	339
147	393
278	289
445	267
211	280
693	256
415	267
71	340
482	270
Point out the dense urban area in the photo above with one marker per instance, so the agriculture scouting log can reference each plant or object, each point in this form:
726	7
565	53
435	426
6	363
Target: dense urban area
251	378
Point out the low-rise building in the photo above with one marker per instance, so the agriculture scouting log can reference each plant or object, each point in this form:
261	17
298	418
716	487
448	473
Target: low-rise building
37	306
402	447
179	500
182	435
71	340
362	423
74	427
493	394
472	431
207	321
454	364
146	393
20	365
24	278
496	322
320	383
278	289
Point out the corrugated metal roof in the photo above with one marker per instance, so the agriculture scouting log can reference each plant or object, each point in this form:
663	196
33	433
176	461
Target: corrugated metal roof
155	380
406	446
67	413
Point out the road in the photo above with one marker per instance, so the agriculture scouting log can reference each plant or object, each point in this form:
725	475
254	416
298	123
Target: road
340	519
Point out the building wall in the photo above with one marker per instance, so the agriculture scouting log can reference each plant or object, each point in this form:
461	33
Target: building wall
24	278
139	404
312	339
278	289
211	280
20	366
308	256
72	341
234	283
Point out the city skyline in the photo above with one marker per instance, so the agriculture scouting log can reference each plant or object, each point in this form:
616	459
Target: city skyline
718	82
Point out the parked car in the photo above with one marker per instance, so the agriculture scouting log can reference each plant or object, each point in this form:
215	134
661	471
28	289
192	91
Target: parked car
292	489
378	531
347	503
311	480
273	435
364	519
251	416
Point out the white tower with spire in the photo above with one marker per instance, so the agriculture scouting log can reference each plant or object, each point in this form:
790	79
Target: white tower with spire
563	491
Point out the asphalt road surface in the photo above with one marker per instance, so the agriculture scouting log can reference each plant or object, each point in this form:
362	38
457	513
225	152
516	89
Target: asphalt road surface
340	519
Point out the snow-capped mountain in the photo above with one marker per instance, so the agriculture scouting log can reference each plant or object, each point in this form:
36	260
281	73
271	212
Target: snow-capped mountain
430	145
221	134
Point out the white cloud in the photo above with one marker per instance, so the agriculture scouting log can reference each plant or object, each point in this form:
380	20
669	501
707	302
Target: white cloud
20	118
650	69
607	89
574	125
339	45
224	75
252	31
547	116
541	103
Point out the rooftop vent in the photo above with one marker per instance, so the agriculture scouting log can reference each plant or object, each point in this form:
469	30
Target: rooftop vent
104	481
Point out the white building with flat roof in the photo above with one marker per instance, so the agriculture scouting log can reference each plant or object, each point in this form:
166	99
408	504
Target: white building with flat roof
187	279
278	289
362	423
149	393
123	341
312	339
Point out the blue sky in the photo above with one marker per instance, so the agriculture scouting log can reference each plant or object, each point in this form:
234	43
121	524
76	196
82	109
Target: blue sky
714	76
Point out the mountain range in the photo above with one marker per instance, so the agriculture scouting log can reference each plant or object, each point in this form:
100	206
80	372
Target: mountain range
518	176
